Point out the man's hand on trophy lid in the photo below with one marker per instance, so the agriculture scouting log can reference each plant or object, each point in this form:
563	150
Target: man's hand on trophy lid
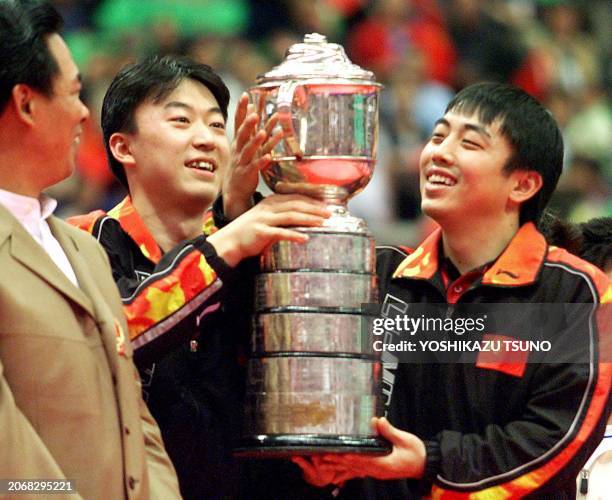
250	154
265	224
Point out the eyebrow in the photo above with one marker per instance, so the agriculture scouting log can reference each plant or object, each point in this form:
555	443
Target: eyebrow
441	121
179	104
479	129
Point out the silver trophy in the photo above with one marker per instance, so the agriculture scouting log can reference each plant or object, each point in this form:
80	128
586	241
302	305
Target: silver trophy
314	380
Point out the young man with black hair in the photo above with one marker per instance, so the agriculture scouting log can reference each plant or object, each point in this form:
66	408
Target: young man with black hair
487	429
163	121
72	420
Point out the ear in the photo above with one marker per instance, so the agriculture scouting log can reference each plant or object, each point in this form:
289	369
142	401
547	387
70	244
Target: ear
119	144
23	99
527	184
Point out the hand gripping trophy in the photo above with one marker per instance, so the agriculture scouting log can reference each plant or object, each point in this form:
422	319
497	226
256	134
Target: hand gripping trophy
313	379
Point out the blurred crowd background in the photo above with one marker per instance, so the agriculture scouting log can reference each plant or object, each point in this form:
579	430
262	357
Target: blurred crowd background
421	50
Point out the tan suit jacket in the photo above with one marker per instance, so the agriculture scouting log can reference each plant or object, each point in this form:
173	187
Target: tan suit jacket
70	402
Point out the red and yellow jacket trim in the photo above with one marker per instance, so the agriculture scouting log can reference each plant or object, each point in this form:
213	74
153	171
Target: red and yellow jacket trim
166	291
519	264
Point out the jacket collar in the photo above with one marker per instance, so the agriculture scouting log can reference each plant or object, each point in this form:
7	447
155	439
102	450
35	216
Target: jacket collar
423	262
131	223
79	265
518	265
24	249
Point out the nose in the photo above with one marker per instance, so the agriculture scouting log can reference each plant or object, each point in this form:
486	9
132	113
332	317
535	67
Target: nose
203	138
442	153
84	112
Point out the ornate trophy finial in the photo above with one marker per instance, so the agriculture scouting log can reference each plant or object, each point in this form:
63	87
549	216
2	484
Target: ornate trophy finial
315	38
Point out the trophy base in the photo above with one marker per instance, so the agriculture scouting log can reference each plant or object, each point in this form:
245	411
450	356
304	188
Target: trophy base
288	445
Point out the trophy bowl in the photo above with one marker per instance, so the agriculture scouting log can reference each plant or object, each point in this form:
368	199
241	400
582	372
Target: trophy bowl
328	110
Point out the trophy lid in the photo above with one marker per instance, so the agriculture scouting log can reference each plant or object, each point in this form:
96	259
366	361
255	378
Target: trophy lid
316	58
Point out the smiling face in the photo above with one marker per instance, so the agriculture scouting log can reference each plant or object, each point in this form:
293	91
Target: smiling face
179	150
59	117
461	172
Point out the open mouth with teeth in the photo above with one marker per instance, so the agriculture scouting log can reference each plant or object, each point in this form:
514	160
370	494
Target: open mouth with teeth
441	180
201	165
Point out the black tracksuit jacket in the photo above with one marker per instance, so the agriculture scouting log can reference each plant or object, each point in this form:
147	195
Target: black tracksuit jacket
499	430
185	345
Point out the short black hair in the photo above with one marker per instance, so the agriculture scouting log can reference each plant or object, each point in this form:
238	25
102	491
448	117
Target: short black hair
591	240
560	233
529	127
597	241
24	54
153	78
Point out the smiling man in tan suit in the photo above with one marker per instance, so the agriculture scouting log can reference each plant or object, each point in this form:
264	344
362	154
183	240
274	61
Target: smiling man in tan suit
70	404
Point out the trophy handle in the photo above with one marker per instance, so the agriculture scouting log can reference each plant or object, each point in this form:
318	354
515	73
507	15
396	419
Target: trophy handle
284	104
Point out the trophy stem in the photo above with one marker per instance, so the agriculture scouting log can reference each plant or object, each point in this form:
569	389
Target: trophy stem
341	221
337	209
